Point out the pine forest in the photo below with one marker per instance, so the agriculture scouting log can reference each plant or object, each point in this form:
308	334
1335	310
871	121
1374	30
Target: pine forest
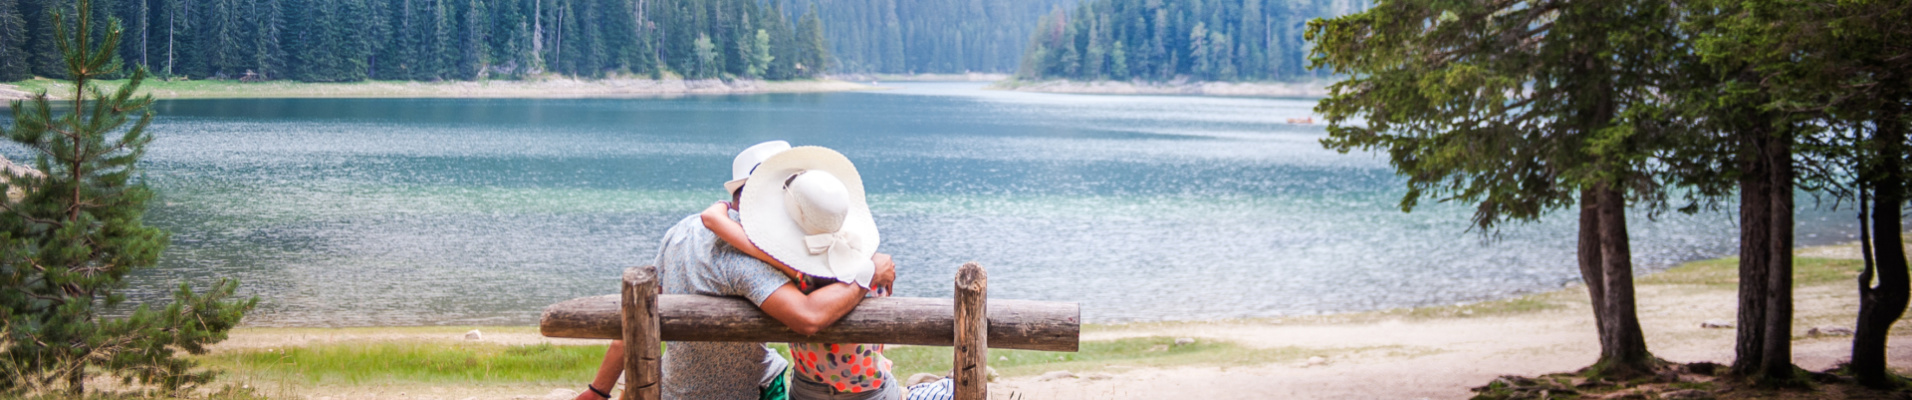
1162	40
931	36
429	40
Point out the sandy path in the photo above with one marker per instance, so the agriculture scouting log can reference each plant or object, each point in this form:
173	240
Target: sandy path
1447	356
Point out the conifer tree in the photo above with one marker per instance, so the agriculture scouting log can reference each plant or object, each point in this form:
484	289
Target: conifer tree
13	40
267	54
472	42
815	49
223	50
68	243
1519	108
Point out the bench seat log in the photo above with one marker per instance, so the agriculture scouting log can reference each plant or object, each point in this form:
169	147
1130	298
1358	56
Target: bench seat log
1013	324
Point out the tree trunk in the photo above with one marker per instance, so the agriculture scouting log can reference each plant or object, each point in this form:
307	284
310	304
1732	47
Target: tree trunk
1755	198
1590	266
1624	354
1776	367
1883	304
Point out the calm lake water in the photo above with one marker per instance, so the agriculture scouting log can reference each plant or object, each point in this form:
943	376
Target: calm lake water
355	212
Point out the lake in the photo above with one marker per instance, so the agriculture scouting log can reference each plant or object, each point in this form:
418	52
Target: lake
380	212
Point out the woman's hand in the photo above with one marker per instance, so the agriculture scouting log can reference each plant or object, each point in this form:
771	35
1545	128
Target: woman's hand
885	276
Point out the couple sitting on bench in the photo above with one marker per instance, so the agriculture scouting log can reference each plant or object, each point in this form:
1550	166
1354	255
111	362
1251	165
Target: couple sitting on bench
797	240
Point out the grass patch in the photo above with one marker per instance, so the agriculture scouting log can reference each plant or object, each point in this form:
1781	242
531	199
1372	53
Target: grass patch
1724	272
411	362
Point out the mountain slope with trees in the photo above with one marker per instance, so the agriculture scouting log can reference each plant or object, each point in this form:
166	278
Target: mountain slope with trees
428	40
1161	40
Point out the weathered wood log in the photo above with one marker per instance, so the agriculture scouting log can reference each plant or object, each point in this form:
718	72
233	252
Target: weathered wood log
1013	324
643	376
972	338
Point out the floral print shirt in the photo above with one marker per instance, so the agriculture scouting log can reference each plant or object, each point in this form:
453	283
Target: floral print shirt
848	367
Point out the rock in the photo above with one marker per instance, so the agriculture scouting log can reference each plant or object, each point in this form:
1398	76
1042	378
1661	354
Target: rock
921	377
1002	358
474	335
1317	360
1829	331
1184	341
1099	376
1717	324
1686	394
1054	375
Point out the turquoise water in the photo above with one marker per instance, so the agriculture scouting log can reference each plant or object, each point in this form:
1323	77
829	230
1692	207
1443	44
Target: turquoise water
354	212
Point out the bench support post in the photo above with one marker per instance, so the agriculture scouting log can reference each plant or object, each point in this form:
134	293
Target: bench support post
643	376
972	333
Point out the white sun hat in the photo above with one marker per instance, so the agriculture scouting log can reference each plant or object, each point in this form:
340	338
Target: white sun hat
805	207
747	161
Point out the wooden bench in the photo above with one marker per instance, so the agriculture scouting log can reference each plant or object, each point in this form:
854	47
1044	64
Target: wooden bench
642	318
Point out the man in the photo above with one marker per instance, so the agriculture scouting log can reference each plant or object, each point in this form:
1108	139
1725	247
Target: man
691	260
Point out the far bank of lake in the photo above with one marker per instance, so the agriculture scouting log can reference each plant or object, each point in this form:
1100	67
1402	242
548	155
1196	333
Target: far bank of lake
540	87
1177	88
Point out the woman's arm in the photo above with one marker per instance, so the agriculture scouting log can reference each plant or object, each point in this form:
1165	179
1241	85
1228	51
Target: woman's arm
717	219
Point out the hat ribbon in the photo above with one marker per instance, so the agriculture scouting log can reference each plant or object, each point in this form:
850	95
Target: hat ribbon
825	242
843	255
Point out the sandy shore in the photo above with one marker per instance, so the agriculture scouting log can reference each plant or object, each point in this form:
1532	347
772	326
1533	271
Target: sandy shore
1227	89
554	87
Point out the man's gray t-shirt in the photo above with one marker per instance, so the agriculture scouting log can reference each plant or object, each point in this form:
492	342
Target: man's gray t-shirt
691	260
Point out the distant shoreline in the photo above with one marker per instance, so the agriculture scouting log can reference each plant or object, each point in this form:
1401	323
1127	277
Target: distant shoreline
538	88
1184	88
962	77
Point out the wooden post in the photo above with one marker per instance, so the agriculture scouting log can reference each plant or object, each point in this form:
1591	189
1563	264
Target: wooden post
972	333
643	376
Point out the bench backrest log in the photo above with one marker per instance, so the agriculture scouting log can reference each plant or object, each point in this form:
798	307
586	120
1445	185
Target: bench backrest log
969	322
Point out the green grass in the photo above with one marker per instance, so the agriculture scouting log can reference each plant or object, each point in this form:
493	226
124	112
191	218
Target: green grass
411	362
1724	272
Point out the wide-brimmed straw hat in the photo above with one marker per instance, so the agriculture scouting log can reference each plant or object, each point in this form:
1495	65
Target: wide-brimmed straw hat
747	161
805	207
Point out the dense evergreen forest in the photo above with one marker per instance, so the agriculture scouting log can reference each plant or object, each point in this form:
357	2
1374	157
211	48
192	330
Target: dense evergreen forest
352	40
1158	40
931	36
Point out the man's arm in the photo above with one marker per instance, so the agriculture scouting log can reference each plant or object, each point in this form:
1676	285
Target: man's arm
808	314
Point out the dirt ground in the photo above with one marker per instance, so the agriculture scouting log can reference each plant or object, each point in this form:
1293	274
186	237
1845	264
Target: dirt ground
1362	357
1442	358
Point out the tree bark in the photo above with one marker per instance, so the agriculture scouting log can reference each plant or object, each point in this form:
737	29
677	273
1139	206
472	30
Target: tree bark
1590	265
1754	230
1625	354
1882	304
1776	367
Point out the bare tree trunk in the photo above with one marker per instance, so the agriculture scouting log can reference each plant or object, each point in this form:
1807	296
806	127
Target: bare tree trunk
1776	367
1754	229
1625	354
1590	265
1882	304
